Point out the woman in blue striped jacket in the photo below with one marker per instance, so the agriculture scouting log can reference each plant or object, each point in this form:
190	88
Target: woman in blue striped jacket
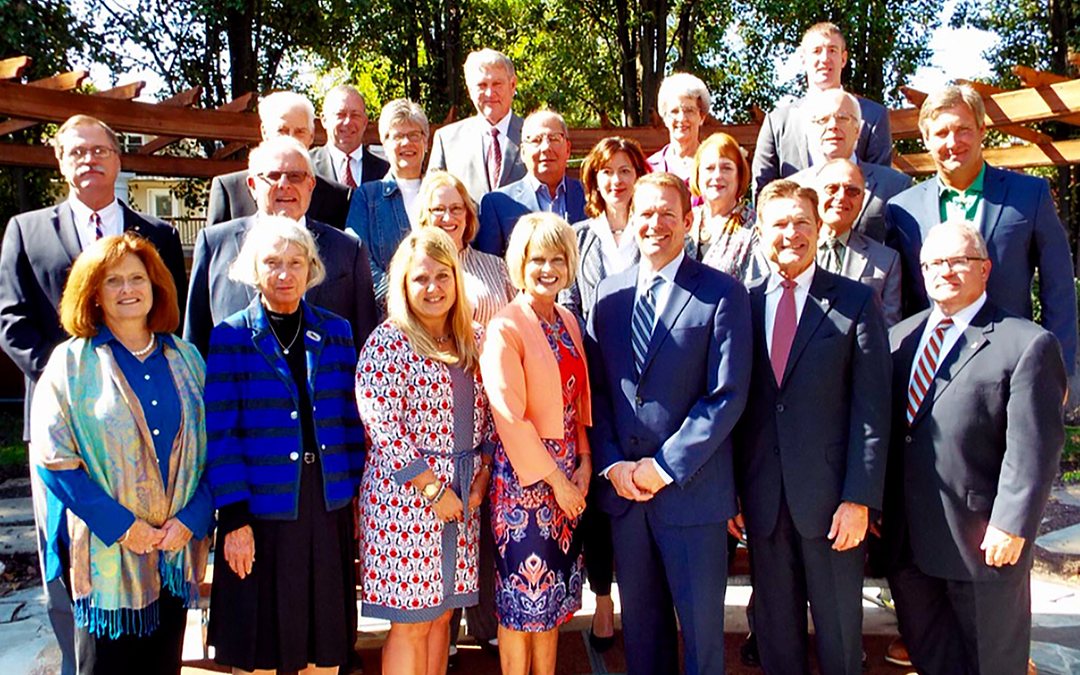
285	452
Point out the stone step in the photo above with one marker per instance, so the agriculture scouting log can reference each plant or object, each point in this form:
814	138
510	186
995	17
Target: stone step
1066	541
19	511
18	539
15	487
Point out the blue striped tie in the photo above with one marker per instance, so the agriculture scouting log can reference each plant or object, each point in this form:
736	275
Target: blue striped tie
641	326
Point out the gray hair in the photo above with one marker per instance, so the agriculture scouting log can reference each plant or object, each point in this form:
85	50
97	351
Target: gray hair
546	112
275	232
399	111
950	96
965	229
819	99
262	153
684	84
343	89
280	102
488	58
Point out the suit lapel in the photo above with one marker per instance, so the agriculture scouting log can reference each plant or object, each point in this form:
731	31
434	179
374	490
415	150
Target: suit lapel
995	191
511	149
686	281
527	196
975	337
904	360
65	230
132	221
871	189
818	303
857	258
799	131
757	318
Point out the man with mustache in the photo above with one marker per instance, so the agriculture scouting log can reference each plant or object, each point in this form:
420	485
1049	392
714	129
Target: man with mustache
38	250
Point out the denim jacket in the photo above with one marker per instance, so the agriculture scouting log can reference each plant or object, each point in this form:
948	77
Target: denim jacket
377	215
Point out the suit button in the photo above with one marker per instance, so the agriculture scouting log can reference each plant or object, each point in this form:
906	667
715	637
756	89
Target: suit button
293	415
907	439
294	456
780	407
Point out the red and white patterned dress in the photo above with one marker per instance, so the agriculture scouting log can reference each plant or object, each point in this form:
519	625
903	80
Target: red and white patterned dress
419	414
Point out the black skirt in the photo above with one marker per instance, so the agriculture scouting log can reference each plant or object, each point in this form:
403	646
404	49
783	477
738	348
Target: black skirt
298	606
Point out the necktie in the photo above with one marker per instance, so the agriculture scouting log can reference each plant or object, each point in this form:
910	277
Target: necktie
641	326
494	160
95	220
925	369
350	181
783	332
831	255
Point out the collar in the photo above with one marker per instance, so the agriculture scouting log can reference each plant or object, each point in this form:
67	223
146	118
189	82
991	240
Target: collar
843	239
338	156
961	319
976	186
802	281
667	272
535	185
105	336
82	212
502	125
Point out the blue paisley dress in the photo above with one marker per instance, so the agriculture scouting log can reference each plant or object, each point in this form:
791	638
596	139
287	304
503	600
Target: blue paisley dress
539	568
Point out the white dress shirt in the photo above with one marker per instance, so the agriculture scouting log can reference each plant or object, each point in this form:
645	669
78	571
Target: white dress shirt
961	320
615	257
773	293
112	220
355	159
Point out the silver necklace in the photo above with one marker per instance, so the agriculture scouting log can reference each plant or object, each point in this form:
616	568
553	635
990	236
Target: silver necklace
285	348
442	340
147	349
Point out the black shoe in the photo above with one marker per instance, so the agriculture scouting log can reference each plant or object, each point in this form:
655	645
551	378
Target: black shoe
748	652
601	645
453	661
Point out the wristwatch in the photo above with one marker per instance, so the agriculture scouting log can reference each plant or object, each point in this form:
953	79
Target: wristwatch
431	490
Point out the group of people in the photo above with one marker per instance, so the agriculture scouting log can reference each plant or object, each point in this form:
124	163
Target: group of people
489	381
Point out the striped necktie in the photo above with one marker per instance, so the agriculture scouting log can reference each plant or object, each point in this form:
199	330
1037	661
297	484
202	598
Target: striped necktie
95	220
350	181
641	326
494	160
925	369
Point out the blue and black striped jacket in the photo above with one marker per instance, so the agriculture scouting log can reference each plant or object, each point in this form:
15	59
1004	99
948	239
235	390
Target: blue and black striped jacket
254	443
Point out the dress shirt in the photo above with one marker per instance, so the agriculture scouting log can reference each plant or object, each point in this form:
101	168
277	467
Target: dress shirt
503	126
112	220
773	293
961	320
556	205
962	205
355	159
615	257
824	243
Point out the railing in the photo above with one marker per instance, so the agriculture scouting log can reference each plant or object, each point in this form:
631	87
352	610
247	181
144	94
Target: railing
188	229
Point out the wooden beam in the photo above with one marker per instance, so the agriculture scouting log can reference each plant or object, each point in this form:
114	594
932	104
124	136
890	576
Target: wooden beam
1037	78
153	165
914	96
127	91
124	92
1024	156
1016	130
184	99
229	150
61	82
14	67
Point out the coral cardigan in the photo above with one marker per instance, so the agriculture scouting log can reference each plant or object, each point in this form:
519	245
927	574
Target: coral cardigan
521	377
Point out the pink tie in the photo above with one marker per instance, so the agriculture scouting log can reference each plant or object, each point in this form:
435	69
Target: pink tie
494	160
783	332
95	220
924	371
349	180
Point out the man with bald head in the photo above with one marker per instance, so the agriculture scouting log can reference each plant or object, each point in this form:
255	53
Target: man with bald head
344	159
282	113
281	179
977	434
545	147
834	119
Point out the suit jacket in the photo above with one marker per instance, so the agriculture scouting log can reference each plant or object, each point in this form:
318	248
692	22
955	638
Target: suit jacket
877	266
371	166
39	249
882	184
821	436
682	408
983	448
346	291
500	210
230	199
459	149
1022	232
781	146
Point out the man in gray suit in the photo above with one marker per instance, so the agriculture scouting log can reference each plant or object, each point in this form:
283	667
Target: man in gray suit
977	434
282	113
834	121
844	251
281	180
483	151
344	159
782	147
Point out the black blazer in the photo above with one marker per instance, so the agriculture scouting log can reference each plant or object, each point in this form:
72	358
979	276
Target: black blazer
38	251
823	434
347	290
230	198
372	167
983	448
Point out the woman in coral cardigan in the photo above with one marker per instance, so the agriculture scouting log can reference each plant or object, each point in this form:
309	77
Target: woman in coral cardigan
533	368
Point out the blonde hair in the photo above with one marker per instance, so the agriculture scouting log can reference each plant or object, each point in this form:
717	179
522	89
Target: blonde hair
546	231
949	97
437	245
435	179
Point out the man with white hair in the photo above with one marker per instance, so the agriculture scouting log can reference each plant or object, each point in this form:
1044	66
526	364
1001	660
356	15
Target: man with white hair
835	120
483	151
282	113
344	159
782	145
281	178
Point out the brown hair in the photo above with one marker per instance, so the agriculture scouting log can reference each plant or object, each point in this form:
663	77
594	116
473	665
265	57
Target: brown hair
662	179
727	147
84	121
435	179
787	189
598	158
825	29
80	314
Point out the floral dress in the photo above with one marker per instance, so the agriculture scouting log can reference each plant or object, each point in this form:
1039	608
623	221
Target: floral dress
420	414
539	568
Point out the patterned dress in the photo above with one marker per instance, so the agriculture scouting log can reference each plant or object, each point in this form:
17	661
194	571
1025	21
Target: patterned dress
420	414
539	567
732	250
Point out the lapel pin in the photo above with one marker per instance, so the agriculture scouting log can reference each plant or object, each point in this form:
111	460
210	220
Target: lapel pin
314	336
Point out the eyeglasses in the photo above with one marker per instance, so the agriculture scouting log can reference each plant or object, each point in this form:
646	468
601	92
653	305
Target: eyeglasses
552	139
97	152
457	210
960	263
412	137
274	177
832	189
839	118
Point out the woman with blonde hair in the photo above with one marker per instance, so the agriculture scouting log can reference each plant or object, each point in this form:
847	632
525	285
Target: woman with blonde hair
426	474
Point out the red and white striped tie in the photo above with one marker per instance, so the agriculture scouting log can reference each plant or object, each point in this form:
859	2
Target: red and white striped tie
925	369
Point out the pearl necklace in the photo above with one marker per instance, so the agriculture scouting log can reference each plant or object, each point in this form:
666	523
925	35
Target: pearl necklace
147	349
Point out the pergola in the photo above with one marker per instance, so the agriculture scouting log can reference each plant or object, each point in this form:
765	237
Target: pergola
235	126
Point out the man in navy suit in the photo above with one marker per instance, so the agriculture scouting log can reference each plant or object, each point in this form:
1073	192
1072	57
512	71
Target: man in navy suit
665	404
38	251
811	445
1013	212
545	147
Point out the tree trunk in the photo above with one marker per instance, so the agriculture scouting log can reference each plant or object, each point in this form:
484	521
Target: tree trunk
627	65
684	35
240	27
